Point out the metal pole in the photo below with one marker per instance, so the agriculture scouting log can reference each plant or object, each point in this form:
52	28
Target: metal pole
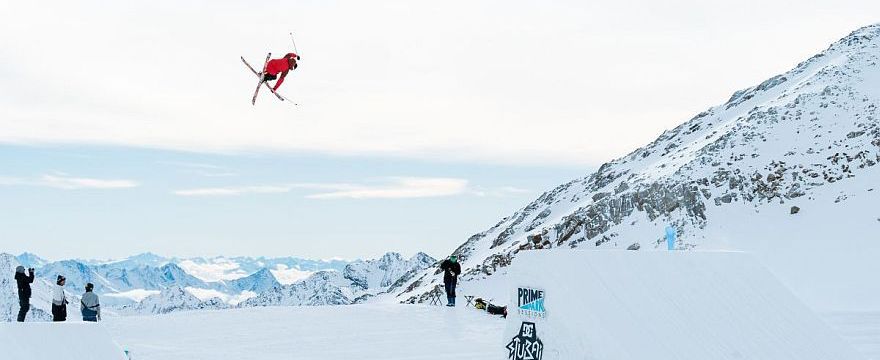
294	44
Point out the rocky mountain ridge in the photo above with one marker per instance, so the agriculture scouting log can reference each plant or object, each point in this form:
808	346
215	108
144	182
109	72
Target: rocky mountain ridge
784	148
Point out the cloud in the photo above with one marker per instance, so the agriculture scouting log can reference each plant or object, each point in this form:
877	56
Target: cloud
399	188
72	183
576	108
65	182
215	270
287	276
389	188
502	191
192	165
207	170
233	191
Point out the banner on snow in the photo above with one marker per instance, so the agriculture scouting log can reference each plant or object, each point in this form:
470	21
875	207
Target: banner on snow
525	345
530	303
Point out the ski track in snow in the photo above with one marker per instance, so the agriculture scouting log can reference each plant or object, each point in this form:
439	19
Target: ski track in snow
386	331
374	331
860	329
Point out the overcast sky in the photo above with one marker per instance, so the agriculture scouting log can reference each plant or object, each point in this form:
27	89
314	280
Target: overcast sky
408	106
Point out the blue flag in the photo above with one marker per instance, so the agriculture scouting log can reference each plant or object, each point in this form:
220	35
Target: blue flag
670	238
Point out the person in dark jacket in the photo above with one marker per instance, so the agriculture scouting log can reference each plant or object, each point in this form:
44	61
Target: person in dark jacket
24	290
59	300
90	307
451	268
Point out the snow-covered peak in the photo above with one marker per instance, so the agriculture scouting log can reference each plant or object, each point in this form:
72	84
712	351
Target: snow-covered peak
77	274
257	282
422	260
360	280
322	288
174	298
30	260
134	261
381	273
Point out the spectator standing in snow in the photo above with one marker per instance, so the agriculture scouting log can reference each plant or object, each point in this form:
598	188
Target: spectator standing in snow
91	309
451	268
59	300
24	290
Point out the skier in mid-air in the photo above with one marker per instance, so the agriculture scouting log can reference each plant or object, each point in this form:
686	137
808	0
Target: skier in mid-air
274	69
451	268
280	66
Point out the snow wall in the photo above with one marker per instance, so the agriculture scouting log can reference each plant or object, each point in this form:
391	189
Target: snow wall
637	305
54	341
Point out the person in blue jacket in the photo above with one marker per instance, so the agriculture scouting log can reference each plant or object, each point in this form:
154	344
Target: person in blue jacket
89	305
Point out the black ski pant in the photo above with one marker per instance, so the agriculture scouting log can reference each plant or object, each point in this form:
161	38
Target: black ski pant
450	289
59	312
25	304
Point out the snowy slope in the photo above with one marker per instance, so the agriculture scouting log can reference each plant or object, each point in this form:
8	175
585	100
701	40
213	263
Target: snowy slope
861	329
366	332
686	305
785	169
50	341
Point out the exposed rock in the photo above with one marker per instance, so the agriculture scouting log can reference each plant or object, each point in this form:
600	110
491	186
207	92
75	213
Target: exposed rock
731	155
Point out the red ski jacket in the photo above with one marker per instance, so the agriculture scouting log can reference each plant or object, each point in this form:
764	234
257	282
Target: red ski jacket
282	66
276	66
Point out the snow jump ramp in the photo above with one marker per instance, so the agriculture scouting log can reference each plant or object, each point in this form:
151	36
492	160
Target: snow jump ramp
54	341
638	305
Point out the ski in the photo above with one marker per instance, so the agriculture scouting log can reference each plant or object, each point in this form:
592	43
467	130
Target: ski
258	74
261	81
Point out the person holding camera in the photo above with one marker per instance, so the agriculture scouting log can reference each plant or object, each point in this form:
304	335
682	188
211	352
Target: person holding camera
59	300
24	290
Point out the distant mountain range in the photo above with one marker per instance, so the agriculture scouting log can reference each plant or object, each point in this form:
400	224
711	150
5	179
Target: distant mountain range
152	284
